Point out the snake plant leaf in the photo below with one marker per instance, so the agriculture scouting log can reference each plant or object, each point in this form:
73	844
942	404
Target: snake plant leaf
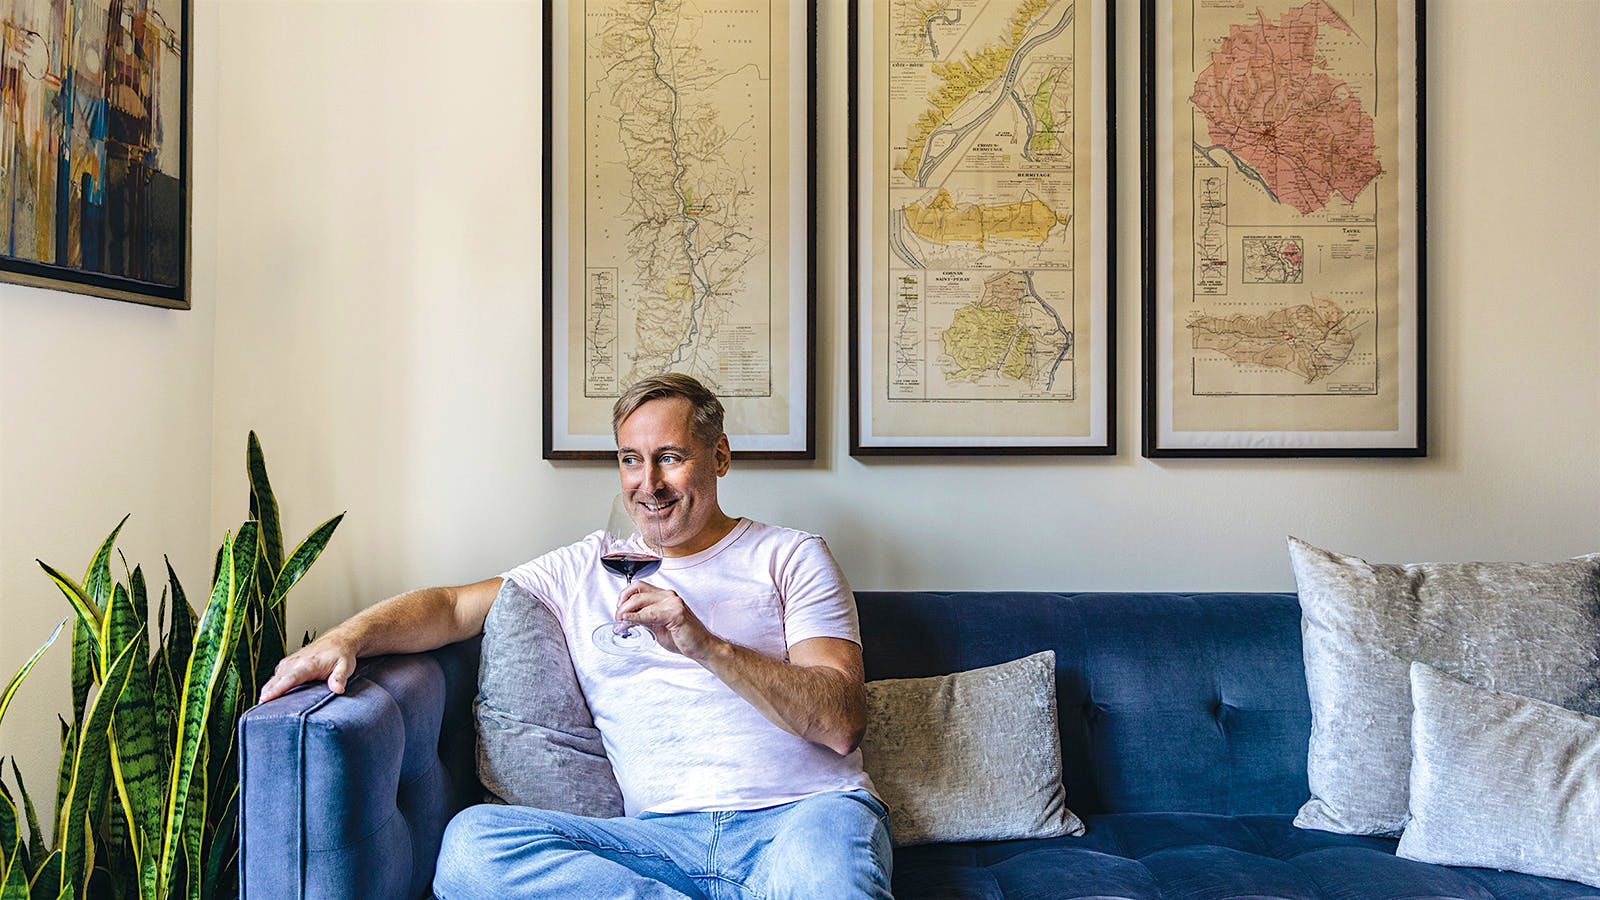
224	849
141	597
270	650
46	880
264	506
90	761
219	629
10	835
135	769
69	744
219	738
138	763
119	628
88	613
193	834
35	835
166	702
13	869
301	559
180	641
149	867
85	667
97	580
14	883
16	680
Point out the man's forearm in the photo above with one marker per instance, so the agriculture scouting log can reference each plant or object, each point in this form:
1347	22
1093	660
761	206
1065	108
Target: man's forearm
817	702
412	622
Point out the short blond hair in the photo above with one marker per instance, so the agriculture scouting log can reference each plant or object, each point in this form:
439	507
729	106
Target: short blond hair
706	422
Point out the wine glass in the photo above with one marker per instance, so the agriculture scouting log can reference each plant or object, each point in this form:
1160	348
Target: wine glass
630	548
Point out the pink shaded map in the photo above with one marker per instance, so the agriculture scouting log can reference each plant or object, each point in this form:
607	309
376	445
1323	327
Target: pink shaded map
1268	101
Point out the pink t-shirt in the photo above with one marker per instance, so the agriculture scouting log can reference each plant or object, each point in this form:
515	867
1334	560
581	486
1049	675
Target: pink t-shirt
678	738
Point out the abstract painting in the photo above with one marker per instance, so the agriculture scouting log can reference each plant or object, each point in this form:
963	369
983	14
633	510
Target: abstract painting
93	147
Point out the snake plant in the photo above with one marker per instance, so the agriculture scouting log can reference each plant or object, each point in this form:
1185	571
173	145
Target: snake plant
147	793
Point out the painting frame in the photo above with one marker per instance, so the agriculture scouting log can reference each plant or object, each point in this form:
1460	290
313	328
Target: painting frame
1234	399
169	206
921	422
791	401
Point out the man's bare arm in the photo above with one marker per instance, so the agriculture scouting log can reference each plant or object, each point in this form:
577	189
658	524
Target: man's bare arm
418	620
818	694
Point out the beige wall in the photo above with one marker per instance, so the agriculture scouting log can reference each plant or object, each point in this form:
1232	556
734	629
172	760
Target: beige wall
382	329
105	410
368	284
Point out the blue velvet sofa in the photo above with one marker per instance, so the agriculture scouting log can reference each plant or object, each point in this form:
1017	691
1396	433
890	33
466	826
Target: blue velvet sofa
1184	725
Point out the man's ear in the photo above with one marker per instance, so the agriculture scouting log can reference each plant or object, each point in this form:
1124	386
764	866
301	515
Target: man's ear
724	455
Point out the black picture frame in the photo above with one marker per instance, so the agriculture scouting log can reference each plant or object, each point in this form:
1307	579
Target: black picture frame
120	226
1096	388
798	441
1397	240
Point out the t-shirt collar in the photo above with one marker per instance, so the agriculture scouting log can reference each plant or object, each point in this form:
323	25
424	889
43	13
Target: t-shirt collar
695	559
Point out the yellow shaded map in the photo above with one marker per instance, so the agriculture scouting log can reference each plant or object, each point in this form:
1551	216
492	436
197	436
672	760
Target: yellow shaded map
944	221
961	79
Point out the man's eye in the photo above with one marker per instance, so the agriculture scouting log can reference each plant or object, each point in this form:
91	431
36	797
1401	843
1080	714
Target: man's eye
669	457
629	460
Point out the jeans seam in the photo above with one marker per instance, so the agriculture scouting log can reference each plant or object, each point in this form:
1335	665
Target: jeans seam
590	843
742	886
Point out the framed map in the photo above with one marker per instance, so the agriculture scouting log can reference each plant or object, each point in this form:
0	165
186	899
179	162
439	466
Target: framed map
94	151
981	227
1283	228
679	208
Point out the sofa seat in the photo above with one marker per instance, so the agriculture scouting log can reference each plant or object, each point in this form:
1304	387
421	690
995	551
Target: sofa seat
1197	856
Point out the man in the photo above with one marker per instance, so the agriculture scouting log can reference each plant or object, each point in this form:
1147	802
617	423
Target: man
734	743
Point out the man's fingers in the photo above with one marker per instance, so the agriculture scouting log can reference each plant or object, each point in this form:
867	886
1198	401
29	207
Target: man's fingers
297	670
340	675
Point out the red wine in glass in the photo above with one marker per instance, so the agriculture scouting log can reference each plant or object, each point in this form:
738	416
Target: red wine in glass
632	549
631	565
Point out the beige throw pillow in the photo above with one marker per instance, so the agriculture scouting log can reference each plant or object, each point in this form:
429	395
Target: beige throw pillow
1502	781
1531	629
973	756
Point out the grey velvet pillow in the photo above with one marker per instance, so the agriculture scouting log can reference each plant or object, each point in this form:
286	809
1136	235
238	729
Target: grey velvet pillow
974	756
537	744
1531	629
1502	781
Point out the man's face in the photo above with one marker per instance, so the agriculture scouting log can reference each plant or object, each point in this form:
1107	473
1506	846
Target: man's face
661	460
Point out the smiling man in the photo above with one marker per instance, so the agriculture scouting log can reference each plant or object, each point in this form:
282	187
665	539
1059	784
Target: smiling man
734	741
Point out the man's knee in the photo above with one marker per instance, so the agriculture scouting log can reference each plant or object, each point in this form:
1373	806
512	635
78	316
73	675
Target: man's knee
837	844
456	875
478	846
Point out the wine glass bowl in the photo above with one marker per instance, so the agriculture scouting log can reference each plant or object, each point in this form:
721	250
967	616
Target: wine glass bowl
630	548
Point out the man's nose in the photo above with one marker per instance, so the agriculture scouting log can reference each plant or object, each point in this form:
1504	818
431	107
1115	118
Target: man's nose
650	482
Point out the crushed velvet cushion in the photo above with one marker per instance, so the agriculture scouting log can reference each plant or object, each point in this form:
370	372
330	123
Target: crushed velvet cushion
537	744
1531	629
973	756
1502	781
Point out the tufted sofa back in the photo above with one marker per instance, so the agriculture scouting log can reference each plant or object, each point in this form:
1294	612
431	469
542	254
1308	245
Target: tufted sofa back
1167	702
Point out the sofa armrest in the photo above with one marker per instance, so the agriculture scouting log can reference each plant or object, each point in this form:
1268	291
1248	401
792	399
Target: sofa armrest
348	796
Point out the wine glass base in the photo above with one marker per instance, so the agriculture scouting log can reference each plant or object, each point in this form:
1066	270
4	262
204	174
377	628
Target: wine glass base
633	638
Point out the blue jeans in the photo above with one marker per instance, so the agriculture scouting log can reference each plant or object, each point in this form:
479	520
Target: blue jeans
833	845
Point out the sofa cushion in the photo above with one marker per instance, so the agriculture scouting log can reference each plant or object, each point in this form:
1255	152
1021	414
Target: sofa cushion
537	744
969	756
1503	781
1178	856
1526	628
